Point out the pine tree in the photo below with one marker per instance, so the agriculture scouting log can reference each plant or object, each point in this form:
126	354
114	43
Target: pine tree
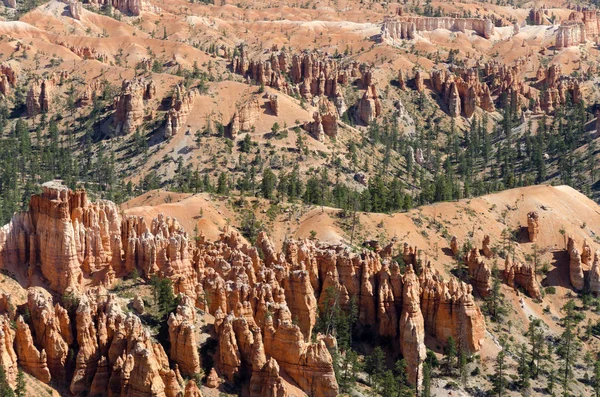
222	185
523	368
5	390
427	380
462	367
268	183
596	378
495	300
568	346
535	333
21	389
499	379
450	355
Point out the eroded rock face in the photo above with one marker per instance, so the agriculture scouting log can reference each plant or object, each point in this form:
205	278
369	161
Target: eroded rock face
52	332
485	247
39	97
182	105
75	9
66	238
8	357
32	360
274	104
533	226
407	27
245	116
308	74
454	245
127	7
184	350
595	274
479	272
264	303
324	121
212	380
575	268
412	328
522	275
570	33
8	78
449	309
130	107
369	107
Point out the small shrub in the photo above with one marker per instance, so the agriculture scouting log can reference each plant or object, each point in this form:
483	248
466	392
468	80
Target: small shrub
550	290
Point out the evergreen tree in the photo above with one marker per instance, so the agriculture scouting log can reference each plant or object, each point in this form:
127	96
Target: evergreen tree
21	388
535	333
268	183
450	355
568	346
499	376
427	380
596	378
495	300
5	390
222	185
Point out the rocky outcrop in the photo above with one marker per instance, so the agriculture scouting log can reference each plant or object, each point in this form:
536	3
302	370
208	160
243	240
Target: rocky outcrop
412	329
575	268
191	389
184	350
309	74
52	332
274	104
522	275
212	380
479	272
75	9
245	116
39	97
8	78
369	107
586	253
449	309
32	360
127	7
264	302
401	80
533	226
325	122
570	33
181	106
595	274
130	105
591	23
138	305
67	239
454	245
419	81
485	247
8	357
538	16
407	27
